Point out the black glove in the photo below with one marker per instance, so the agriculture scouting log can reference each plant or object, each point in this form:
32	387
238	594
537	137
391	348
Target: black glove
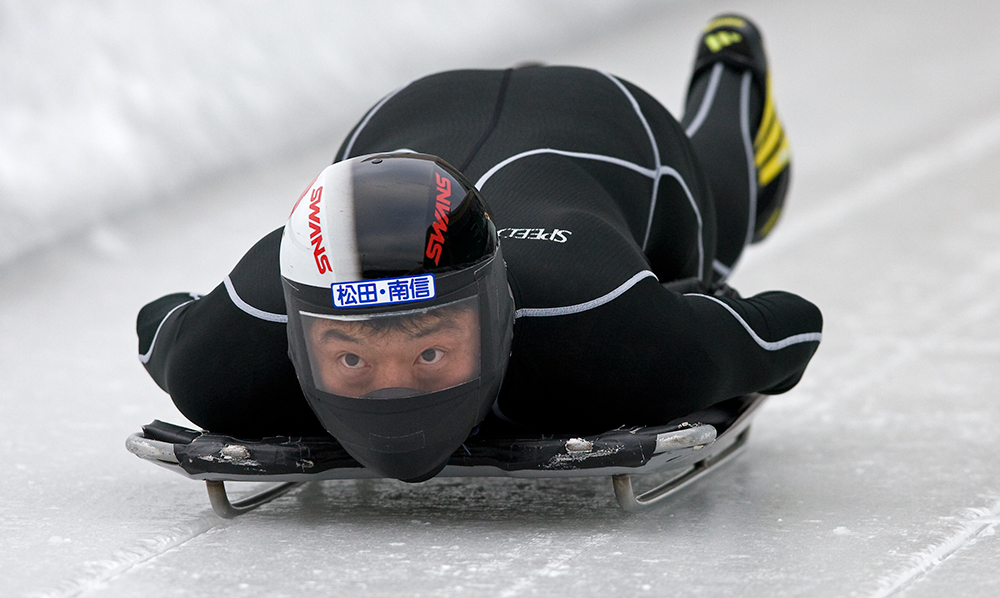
695	285
724	290
686	285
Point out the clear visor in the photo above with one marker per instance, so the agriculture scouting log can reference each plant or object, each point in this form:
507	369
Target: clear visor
399	354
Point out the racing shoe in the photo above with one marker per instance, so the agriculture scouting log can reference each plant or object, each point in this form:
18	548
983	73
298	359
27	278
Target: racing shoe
736	42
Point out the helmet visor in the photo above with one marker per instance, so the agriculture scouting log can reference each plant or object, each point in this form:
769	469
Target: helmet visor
394	354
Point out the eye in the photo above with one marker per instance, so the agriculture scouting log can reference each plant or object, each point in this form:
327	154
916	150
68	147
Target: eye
431	356
352	361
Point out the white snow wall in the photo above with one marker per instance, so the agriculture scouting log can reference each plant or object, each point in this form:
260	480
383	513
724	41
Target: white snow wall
106	105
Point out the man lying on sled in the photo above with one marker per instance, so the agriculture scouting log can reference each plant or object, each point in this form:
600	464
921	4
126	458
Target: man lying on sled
385	313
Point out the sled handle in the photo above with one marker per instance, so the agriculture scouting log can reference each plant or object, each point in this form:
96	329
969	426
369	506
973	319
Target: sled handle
150	450
699	435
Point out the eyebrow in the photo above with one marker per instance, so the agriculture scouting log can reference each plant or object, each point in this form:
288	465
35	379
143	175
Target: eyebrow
442	324
340	335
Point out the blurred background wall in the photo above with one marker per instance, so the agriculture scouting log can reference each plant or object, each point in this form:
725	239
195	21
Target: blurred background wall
106	106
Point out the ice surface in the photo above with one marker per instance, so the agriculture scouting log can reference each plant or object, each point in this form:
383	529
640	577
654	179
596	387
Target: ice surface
877	476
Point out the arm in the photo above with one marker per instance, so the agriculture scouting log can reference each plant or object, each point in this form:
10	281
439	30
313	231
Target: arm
764	342
652	355
223	357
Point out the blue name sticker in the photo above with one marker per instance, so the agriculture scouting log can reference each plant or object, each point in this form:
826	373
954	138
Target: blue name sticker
364	293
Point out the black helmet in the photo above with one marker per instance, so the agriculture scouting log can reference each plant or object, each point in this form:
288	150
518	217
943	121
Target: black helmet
399	314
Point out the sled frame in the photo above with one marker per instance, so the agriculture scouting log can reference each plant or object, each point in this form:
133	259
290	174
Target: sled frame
625	494
229	510
629	501
686	469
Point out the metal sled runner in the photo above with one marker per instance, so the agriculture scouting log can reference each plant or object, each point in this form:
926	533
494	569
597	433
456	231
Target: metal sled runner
688	449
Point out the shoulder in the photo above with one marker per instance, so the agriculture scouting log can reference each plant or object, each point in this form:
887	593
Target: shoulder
254	285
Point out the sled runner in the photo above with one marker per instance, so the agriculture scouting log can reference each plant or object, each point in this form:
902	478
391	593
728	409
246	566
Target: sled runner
688	448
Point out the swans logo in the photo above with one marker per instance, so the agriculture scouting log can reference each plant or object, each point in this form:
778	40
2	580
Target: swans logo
316	233
442	208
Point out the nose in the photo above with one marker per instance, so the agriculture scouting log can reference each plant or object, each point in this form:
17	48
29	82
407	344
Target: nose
393	373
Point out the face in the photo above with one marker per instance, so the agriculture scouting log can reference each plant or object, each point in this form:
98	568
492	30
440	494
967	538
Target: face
426	352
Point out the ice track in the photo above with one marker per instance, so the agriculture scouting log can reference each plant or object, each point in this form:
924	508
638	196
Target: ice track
877	476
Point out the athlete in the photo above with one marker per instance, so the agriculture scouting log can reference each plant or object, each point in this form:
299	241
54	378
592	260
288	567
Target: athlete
543	246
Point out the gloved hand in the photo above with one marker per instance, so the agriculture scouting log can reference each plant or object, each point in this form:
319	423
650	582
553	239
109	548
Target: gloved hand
695	285
724	290
686	285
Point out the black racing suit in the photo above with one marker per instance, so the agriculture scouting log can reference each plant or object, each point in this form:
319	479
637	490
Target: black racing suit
599	199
